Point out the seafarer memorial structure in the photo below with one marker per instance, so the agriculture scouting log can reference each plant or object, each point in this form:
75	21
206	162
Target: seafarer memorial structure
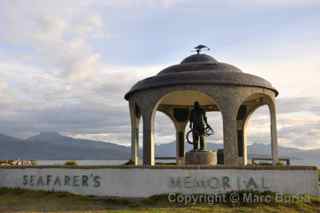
200	83
216	86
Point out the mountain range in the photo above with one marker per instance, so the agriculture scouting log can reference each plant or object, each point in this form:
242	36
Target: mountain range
54	146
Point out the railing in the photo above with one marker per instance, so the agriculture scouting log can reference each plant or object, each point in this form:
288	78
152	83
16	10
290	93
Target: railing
286	160
253	160
165	158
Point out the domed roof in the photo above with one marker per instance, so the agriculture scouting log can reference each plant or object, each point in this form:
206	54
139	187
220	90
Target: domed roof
199	58
200	69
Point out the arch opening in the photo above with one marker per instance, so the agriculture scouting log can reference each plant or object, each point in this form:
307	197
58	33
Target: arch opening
176	106
254	114
164	138
259	134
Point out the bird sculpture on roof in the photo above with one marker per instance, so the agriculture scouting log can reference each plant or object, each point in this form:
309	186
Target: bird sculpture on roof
199	48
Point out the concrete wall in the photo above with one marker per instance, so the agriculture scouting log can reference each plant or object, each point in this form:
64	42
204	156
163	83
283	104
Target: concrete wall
144	182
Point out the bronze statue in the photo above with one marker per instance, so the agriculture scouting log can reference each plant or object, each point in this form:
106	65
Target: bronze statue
199	126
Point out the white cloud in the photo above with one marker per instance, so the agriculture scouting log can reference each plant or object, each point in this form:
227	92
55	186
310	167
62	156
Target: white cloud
286	3
143	3
298	127
59	79
296	75
58	33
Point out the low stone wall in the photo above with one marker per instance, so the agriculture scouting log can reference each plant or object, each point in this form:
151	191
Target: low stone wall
144	182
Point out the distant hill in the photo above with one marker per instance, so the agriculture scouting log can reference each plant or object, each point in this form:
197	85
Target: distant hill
54	146
11	148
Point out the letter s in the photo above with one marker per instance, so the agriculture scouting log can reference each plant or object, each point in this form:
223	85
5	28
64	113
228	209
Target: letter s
96	180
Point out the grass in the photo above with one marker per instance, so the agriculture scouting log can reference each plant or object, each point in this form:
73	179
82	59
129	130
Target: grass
70	163
18	200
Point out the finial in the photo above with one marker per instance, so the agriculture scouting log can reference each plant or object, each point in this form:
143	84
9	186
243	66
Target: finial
199	48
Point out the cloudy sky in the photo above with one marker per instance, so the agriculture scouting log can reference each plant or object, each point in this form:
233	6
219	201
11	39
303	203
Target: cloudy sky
66	65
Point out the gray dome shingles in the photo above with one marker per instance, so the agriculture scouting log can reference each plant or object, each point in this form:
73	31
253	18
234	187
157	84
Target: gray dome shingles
200	69
199	58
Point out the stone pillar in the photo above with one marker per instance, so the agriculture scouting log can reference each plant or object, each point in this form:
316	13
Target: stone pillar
230	142
180	140
135	119
274	137
148	139
243	116
245	144
242	143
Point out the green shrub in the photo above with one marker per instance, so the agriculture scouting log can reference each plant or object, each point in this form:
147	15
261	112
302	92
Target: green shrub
70	163
33	163
280	163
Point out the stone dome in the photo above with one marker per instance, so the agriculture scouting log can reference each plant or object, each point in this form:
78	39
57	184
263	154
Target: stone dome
199	58
200	69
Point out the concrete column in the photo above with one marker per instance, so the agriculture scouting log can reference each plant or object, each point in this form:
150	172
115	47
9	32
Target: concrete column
274	137
148	139
230	142
242	120
245	145
242	142
180	140
135	119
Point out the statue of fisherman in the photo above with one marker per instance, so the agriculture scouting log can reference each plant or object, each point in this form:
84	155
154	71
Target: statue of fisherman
198	125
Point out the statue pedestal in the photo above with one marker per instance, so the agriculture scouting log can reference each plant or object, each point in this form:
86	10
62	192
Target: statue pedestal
205	158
